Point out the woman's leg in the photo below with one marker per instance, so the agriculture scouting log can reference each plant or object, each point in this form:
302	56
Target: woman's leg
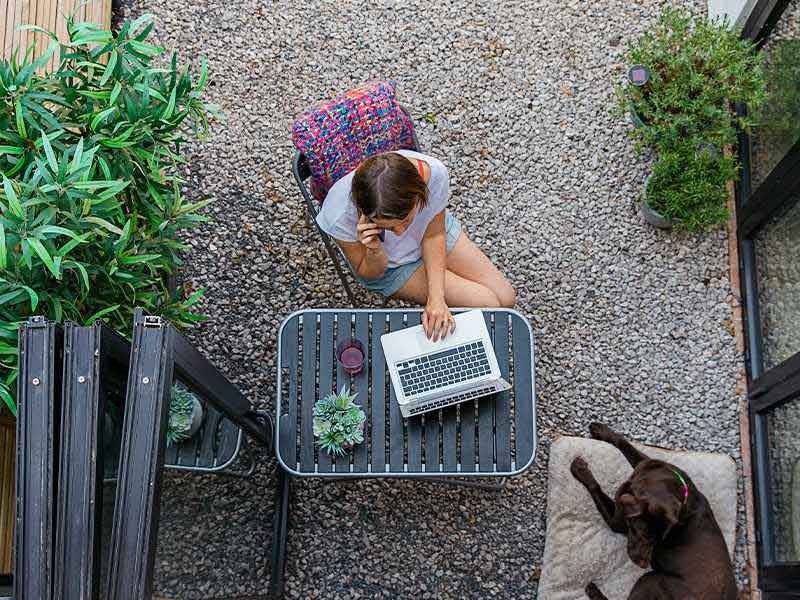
458	291
469	262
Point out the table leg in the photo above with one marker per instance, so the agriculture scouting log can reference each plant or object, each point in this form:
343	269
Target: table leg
280	530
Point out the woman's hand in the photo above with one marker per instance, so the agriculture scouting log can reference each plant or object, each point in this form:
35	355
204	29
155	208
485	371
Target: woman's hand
437	320
367	233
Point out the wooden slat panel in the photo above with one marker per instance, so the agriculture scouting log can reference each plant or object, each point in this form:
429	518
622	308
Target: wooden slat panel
49	14
523	390
326	359
377	415
396	433
9	14
361	385
414	425
502	405
343	331
8	449
309	387
486	420
288	424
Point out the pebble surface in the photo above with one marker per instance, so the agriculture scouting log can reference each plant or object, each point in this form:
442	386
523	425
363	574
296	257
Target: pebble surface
633	326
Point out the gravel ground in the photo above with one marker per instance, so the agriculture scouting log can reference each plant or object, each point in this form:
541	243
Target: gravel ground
633	326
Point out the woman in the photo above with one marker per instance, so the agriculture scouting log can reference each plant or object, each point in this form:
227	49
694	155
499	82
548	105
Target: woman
389	217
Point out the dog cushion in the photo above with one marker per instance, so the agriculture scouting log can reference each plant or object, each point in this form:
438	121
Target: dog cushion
580	547
336	136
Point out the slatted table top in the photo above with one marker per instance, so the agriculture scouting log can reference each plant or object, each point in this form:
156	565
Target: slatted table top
494	435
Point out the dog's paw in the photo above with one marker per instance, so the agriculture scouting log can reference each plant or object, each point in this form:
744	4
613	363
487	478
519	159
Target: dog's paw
580	470
602	432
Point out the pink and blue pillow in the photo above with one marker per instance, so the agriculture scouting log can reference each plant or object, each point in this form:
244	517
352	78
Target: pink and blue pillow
337	135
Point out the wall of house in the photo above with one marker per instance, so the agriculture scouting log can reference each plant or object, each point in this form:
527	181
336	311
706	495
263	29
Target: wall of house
736	10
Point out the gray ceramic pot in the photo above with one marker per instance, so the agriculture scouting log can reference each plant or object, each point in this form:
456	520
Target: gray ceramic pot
651	215
197	418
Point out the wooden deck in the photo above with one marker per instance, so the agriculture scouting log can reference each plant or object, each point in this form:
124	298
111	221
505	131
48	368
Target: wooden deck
50	14
8	448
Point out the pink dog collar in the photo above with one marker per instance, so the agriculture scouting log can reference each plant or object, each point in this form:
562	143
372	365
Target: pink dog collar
685	485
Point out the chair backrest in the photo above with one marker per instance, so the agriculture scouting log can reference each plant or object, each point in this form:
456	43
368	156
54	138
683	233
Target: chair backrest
334	137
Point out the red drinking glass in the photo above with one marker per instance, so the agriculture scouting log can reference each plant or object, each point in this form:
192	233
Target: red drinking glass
350	354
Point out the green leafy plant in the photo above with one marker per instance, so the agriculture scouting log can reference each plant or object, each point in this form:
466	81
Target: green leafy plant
90	197
698	68
689	186
338	422
779	116
181	410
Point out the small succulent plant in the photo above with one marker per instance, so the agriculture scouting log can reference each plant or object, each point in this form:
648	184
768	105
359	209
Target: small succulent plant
181	409
338	422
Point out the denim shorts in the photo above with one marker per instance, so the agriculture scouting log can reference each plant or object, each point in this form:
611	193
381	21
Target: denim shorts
395	277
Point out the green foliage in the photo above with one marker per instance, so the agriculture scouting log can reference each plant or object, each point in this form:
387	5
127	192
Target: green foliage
688	186
698	68
181	408
338	422
90	197
779	116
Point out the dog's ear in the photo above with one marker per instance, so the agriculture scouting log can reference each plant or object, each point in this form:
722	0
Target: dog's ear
631	507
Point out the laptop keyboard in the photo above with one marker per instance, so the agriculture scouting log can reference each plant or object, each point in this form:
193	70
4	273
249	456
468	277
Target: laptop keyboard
441	369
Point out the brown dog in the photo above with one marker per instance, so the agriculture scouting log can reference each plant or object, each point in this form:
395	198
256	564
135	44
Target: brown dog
669	525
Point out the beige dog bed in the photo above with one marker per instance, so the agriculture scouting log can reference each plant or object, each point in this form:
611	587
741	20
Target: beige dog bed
581	548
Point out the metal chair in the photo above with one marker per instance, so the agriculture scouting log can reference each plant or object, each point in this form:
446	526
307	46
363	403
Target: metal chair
302	172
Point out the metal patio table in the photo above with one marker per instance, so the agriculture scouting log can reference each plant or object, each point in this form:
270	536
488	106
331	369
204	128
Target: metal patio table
494	436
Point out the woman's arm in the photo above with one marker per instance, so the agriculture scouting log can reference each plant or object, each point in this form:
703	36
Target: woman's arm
436	320
366	255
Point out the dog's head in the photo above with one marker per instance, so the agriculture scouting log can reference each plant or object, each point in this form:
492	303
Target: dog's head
651	501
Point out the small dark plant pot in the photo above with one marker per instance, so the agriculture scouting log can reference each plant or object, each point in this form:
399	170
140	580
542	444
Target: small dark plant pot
651	215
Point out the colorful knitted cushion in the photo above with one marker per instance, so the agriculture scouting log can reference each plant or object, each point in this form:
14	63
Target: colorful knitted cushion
336	136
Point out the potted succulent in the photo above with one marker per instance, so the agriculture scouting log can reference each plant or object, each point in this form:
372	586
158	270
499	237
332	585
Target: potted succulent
686	74
687	189
338	422
185	415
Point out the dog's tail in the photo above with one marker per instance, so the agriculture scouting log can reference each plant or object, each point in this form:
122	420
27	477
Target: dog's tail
594	593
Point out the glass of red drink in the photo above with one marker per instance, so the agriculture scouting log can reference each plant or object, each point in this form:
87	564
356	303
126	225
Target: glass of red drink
350	354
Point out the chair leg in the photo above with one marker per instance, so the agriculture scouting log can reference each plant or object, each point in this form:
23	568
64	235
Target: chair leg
337	265
280	530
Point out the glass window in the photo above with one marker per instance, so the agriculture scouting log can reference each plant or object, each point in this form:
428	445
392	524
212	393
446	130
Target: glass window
783	423
778	119
777	247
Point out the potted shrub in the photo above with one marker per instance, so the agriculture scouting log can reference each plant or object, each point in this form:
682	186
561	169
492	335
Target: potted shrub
687	189
696	68
185	415
338	422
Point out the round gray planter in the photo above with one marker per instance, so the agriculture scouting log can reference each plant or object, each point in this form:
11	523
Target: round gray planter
651	215
197	418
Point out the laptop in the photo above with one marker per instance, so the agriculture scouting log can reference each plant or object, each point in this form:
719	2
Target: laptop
429	375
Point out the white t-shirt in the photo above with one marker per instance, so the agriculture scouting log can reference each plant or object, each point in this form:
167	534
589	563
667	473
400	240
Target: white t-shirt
339	215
